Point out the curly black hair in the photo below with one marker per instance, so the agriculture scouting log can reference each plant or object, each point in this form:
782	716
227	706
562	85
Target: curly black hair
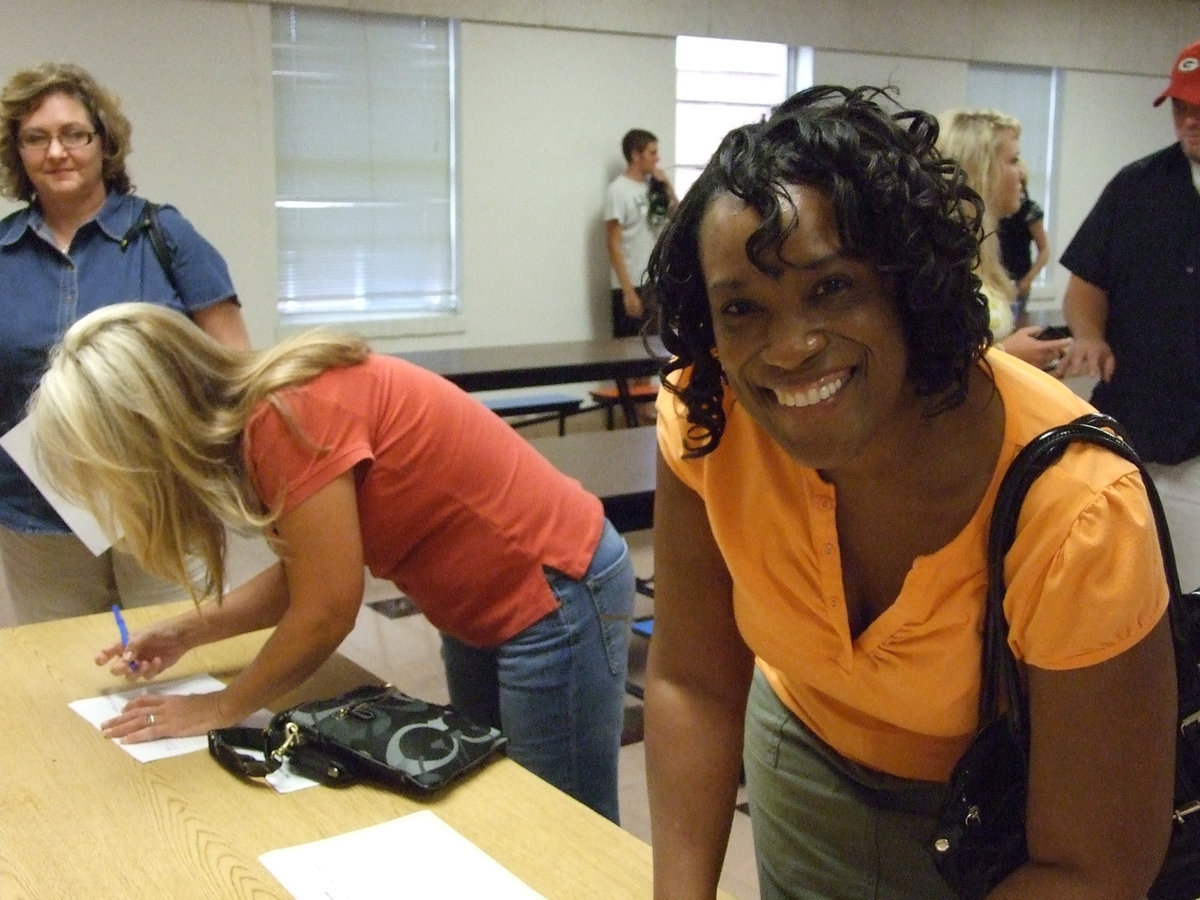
900	207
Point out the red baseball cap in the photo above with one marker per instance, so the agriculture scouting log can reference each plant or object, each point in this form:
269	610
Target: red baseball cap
1185	77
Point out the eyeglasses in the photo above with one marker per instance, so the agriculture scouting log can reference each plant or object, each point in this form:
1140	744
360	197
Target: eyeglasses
68	138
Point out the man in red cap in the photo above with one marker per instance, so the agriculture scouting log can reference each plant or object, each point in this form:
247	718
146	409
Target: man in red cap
1133	305
1184	91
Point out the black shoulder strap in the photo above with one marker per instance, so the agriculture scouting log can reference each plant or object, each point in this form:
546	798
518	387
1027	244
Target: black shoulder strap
999	666
148	222
224	743
162	250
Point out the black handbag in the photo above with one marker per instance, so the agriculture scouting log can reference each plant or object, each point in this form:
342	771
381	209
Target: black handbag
980	834
370	733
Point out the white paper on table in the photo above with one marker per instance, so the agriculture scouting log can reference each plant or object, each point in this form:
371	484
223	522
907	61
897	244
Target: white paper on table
18	441
102	708
284	780
425	856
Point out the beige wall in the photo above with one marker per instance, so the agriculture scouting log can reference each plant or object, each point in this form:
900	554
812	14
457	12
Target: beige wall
546	89
541	117
195	80
1106	35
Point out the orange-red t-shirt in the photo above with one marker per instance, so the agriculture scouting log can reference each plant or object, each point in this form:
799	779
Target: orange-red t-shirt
1085	582
454	506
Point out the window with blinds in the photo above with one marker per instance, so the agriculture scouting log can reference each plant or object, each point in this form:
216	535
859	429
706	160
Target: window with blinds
721	84
364	147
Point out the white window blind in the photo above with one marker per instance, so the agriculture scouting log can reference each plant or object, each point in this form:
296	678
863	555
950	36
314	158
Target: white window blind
365	201
719	85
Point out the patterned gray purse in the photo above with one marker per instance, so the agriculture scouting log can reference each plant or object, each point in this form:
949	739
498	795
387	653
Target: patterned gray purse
371	733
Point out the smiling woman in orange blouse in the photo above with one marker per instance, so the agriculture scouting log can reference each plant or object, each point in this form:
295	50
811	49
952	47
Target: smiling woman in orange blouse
832	435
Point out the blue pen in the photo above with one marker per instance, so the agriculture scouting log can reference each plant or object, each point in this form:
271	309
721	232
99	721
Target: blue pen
121	627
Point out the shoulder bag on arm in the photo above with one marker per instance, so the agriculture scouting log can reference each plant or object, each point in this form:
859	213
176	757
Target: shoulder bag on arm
980	836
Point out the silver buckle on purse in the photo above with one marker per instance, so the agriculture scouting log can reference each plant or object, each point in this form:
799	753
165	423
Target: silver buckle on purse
1189	722
292	734
1180	814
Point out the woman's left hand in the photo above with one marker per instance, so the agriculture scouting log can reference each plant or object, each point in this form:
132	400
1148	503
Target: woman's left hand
151	717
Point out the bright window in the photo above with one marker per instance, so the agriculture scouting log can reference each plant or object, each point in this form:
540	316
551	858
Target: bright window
365	200
721	84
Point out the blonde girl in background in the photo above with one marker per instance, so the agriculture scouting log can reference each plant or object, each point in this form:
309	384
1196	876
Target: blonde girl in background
986	145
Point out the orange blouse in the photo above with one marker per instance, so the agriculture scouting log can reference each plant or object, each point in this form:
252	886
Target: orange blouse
902	697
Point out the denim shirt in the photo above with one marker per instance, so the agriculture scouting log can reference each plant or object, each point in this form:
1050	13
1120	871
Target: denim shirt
43	291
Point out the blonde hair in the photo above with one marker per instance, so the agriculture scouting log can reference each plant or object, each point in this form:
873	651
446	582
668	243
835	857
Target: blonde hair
139	420
972	139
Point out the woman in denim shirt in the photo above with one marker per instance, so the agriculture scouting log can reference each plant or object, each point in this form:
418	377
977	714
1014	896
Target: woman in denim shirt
75	247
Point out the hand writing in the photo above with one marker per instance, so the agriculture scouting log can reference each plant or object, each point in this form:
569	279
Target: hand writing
153	650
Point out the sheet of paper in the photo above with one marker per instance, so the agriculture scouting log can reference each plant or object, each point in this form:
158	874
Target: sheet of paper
425	856
100	709
18	441
284	780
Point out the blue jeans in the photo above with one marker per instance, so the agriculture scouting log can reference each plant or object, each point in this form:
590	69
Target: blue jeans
557	689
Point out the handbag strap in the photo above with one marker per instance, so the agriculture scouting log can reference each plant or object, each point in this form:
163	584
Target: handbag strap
999	665
148	222
224	744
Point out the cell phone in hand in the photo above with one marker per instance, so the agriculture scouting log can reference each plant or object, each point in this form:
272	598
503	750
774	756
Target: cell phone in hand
1053	333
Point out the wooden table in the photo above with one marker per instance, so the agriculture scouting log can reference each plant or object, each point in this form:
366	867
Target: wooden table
617	466
79	817
535	365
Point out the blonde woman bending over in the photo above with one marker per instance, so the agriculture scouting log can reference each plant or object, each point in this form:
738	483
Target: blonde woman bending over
344	457
986	145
